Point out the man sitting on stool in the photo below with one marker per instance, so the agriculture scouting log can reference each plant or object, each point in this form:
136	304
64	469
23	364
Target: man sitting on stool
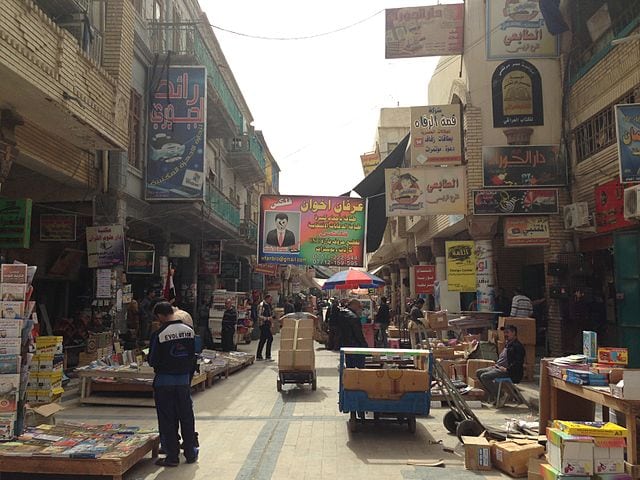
509	365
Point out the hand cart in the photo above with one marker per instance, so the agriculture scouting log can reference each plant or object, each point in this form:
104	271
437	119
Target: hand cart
298	377
405	409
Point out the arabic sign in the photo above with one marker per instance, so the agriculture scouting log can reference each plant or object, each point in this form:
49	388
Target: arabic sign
436	135
524	166
461	266
57	228
179	250
516	88
15	223
230	270
105	246
628	133
141	262
424	275
370	161
210	257
516	29
515	202
271	270
610	207
424	31
485	277
425	191
300	230
526	231
176	135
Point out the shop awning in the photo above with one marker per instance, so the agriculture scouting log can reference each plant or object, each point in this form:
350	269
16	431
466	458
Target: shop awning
376	270
372	188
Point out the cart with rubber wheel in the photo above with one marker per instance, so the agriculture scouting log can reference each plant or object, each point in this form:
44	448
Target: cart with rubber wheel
297	377
401	410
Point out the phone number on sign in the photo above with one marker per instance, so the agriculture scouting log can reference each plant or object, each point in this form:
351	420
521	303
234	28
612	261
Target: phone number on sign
342	261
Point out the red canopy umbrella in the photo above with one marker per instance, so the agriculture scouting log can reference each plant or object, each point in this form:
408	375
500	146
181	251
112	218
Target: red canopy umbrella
350	279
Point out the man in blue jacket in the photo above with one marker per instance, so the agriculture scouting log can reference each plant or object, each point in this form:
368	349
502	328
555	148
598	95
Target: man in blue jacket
173	358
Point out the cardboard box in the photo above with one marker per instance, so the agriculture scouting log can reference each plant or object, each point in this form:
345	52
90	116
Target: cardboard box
387	383
629	387
526	329
591	429
613	356
512	456
444	353
301	323
608	455
534	471
296	360
473	365
613	476
290	332
300	344
394	332
590	345
437	320
569	454
477	453
550	473
474	382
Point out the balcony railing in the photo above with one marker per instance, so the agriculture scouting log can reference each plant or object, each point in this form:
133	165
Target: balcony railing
185	39
248	144
222	206
249	230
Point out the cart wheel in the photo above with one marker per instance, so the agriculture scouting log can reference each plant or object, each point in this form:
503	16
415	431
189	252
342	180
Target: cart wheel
411	423
314	384
353	422
468	428
451	420
279	385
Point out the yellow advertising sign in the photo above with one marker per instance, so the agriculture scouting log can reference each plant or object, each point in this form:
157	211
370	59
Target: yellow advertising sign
370	161
461	266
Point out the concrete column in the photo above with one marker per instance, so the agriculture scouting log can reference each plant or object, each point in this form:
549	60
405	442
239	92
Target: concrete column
441	275
394	286
485	276
412	283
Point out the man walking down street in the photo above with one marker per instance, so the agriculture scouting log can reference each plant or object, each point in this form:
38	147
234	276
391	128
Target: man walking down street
173	358
351	333
229	323
265	316
383	320
521	305
510	364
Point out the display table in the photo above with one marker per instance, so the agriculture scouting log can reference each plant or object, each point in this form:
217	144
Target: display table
560	400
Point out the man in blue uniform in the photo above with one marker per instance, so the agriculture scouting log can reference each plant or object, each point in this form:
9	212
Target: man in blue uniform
173	358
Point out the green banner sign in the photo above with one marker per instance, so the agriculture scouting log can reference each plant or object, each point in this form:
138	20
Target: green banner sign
15	223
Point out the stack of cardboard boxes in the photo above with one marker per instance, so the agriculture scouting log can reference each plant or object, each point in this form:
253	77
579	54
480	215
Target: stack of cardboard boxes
526	335
511	456
386	384
296	345
45	371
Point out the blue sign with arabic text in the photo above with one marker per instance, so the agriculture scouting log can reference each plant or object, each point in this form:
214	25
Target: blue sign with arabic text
176	136
628	133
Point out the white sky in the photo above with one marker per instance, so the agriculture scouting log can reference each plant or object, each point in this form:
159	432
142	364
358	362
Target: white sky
317	101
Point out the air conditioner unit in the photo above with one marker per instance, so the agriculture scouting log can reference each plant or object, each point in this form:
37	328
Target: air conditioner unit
576	215
632	202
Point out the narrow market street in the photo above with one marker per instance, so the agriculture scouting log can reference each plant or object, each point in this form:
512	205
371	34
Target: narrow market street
247	430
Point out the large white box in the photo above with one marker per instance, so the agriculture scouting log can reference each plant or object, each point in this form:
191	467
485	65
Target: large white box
569	454
608	455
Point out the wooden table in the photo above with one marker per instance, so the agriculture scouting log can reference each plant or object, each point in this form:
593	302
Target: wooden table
560	400
113	467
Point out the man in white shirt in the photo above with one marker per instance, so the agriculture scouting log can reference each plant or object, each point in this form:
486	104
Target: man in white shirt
521	305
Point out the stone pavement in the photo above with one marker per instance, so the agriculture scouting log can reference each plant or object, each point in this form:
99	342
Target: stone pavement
249	431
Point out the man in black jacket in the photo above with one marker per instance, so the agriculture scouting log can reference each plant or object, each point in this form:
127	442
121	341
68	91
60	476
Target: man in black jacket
172	354
265	316
510	364
351	333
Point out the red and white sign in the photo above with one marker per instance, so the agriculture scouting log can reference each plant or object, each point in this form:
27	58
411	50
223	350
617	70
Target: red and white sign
266	269
610	207
425	275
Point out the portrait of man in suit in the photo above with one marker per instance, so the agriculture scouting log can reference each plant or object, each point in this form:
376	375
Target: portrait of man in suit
281	236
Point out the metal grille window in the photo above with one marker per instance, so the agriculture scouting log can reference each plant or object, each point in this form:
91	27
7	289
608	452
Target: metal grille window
135	127
599	131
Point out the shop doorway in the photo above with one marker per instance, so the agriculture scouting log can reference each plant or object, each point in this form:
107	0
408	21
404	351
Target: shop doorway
627	275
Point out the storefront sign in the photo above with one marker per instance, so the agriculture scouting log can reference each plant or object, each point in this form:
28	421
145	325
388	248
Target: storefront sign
230	270
628	134
103	283
531	201
516	89
210	257
526	231
105	246
436	135
179	250
176	135
524	166
461	266
424	31
370	161
15	223
273	284
425	276
516	29
57	228
610	207
301	230
141	262
485	287
266	269
425	191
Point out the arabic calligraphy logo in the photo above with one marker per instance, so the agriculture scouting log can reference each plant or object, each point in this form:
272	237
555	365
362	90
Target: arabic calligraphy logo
405	189
460	253
520	11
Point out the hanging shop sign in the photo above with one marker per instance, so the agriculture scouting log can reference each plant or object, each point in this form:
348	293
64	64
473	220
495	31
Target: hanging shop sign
424	31
485	288
436	135
302	230
370	161
533	201
15	223
610	207
425	276
210	257
526	231
524	166
57	228
176	135
68	264
516	89
425	191
141	262
628	134
230	270
516	29
105	246
461	266
179	250
267	269
104	277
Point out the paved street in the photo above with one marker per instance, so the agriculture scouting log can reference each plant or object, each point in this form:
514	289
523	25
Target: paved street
249	431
